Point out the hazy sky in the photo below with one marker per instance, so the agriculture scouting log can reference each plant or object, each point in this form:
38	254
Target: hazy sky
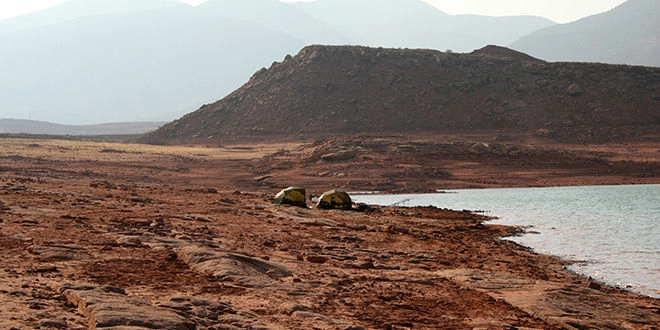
560	11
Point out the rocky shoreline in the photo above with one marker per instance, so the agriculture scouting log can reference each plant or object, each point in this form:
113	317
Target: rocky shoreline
99	237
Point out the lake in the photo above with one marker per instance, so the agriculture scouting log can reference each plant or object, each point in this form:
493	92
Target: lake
612	231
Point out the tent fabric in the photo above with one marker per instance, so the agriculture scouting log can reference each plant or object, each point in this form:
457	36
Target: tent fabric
335	199
291	196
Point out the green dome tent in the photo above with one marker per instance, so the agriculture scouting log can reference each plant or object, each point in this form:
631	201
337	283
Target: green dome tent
292	196
335	199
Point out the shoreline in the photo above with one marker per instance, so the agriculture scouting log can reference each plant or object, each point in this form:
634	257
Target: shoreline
597	282
585	262
98	236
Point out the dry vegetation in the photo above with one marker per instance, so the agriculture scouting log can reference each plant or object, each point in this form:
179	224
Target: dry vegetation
61	150
369	163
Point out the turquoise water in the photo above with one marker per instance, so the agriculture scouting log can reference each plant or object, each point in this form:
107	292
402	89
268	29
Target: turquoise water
613	231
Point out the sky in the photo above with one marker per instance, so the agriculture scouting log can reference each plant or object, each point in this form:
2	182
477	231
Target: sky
560	11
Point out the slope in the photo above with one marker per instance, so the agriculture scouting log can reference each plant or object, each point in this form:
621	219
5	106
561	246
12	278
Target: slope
350	90
628	34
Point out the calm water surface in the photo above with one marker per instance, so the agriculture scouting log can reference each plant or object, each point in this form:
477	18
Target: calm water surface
613	230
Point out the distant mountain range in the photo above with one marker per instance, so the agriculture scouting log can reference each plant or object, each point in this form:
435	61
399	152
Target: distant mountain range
22	126
144	60
628	34
71	10
416	24
152	60
132	66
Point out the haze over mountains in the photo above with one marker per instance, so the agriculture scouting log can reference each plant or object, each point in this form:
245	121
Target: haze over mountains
75	9
628	34
136	66
86	62
21	126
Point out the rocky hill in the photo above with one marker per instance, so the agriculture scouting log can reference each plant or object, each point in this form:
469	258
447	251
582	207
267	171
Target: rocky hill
330	90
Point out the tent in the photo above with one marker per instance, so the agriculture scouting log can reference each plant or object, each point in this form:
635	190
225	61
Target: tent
292	196
335	199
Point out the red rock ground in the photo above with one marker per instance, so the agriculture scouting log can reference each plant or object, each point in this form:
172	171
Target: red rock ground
122	236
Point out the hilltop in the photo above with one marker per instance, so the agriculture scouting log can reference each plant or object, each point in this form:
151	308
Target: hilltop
346	90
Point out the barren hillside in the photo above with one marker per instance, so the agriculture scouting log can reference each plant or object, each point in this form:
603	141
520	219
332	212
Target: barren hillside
330	90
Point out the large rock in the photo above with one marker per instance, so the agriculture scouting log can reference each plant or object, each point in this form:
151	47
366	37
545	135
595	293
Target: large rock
232	266
108	307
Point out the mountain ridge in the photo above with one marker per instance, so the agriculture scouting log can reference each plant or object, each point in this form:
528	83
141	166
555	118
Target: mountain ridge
627	34
407	24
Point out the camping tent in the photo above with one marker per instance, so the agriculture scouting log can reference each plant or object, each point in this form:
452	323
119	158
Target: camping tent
292	196
335	199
